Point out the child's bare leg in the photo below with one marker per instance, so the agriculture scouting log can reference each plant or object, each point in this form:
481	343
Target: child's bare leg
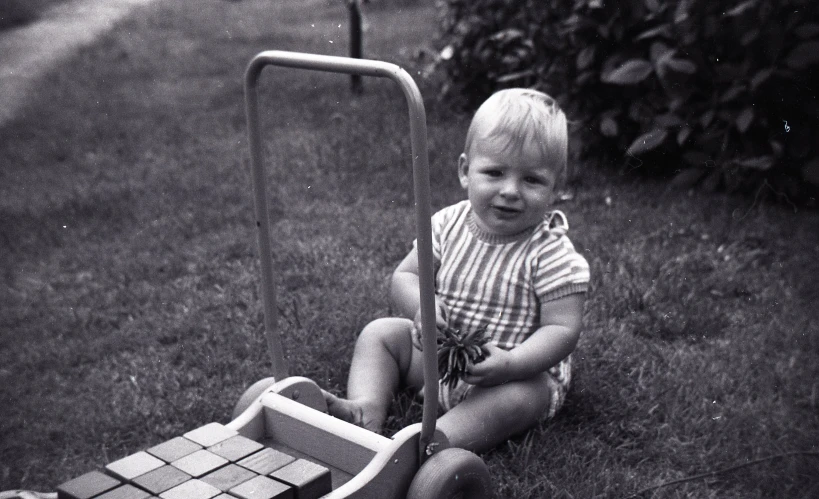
490	416
383	361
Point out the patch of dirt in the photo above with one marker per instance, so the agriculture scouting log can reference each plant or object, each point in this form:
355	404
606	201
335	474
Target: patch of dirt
28	52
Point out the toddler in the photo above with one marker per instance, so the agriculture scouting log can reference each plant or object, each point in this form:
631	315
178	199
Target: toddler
502	262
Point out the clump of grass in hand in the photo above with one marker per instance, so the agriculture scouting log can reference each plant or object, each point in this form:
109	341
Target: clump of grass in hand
457	350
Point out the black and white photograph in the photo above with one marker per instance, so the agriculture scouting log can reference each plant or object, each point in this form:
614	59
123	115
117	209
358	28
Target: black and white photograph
421	249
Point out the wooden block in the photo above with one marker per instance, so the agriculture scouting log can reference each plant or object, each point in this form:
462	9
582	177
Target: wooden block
210	434
162	479
173	449
236	448
308	478
228	477
266	461
263	487
134	465
87	486
199	463
192	489
126	491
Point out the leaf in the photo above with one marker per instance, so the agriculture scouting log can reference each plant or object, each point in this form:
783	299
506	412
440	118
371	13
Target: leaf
688	178
661	30
630	72
585	77
608	127
515	76
707	118
683	134
741	8
804	55
507	35
681	13
731	94
677	102
659	52
585	57
744	119
681	65
760	77
758	163
647	142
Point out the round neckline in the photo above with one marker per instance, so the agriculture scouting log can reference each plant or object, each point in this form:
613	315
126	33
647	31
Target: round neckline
490	238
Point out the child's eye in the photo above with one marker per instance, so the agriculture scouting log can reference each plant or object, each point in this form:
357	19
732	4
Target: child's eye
493	173
534	180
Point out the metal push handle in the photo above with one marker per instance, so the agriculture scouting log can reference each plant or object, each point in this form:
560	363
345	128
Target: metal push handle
420	166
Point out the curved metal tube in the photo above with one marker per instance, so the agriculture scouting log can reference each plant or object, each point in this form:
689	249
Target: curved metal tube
420	164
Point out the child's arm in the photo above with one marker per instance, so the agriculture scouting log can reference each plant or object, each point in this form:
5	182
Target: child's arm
404	286
561	321
405	295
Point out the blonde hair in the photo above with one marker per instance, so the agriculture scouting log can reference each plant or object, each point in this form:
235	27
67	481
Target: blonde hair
523	116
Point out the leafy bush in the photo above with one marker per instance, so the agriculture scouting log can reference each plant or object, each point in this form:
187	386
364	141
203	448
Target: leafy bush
709	92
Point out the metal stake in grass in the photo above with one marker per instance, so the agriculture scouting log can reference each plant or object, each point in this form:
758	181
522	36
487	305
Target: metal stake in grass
356	44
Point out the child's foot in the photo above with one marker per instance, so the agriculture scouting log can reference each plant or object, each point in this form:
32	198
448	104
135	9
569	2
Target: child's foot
350	411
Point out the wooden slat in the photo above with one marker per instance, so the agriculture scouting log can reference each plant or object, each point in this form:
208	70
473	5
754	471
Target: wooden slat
328	439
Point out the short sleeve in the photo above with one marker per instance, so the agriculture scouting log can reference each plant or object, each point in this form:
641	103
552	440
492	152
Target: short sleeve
560	271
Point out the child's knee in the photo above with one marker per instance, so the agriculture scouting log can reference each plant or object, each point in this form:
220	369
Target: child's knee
529	399
389	329
393	333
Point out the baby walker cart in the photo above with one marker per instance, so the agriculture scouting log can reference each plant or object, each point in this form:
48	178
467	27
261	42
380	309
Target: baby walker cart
281	442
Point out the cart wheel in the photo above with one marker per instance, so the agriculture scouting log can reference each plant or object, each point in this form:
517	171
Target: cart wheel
251	394
452	474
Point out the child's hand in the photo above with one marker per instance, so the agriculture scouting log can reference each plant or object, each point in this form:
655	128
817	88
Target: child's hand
493	370
440	322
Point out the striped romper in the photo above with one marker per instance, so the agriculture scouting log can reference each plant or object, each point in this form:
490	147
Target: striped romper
499	282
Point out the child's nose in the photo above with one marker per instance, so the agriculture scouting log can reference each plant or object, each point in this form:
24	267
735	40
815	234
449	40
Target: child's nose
509	188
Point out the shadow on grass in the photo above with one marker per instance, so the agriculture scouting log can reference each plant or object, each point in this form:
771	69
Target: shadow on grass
17	13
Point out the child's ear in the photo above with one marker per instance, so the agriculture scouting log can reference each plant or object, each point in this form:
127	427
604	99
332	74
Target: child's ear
463	169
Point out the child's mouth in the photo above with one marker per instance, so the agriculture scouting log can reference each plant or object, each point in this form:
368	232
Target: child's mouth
505	211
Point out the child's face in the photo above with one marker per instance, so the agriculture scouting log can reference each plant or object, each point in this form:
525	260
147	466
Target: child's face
509	191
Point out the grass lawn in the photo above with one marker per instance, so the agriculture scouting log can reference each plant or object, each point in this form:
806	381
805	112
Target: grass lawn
129	310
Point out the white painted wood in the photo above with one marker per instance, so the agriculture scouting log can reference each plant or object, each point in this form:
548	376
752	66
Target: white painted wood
391	471
336	442
250	423
303	390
